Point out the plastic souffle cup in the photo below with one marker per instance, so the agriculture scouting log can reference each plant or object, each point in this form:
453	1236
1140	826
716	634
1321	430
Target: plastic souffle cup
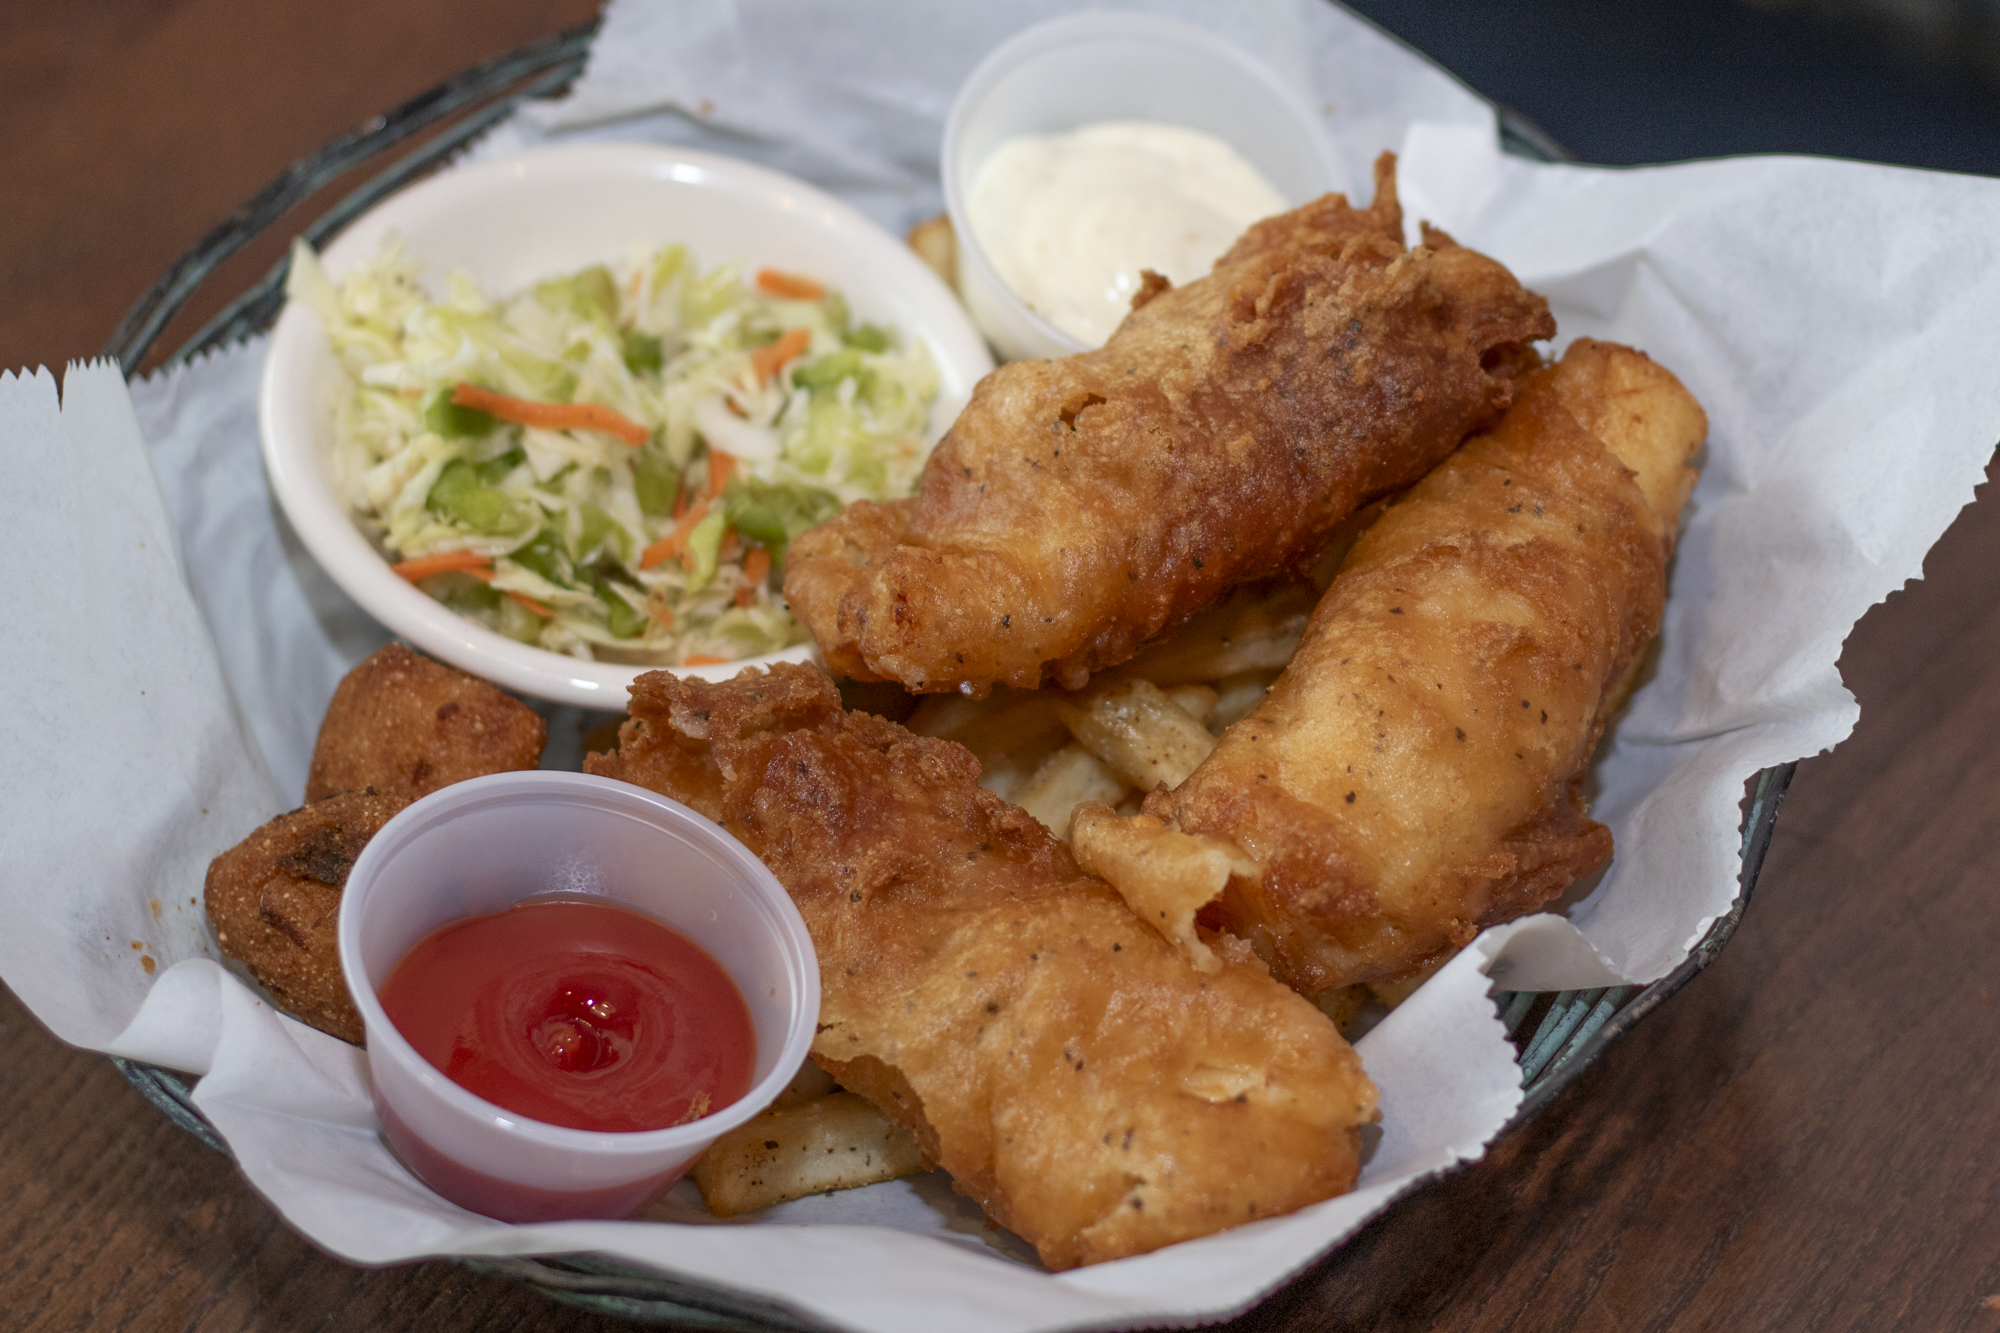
481	846
1111	65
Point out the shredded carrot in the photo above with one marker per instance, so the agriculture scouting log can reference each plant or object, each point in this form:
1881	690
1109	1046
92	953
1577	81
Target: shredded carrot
732	546
769	359
671	545
756	568
720	465
423	566
705	659
530	603
552	416
789	286
681	503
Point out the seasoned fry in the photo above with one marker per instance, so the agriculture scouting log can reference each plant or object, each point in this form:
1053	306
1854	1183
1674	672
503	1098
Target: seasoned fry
832	1142
1237	695
1198	701
937	245
1142	734
1257	629
1065	780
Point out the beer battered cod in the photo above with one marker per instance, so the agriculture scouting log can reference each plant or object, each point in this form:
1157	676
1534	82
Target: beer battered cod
1093	1092
406	726
274	899
1416	774
1081	506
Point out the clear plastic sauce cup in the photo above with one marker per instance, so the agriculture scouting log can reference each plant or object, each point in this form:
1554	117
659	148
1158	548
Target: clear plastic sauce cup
481	846
1114	65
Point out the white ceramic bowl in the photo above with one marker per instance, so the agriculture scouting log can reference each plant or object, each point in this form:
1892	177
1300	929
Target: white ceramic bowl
481	846
522	219
1111	65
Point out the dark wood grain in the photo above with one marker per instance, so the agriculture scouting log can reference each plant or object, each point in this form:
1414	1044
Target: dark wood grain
1801	1139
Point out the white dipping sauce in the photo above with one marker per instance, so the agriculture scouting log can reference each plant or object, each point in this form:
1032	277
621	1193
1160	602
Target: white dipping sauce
1070	219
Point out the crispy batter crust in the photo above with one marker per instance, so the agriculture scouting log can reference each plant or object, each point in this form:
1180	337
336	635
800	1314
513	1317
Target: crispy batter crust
1097	1095
1416	774
1079	507
406	726
275	902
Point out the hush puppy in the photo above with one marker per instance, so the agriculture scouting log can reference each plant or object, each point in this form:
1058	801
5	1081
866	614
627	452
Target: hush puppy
406	726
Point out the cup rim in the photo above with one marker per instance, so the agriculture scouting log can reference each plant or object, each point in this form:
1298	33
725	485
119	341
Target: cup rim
503	788
1053	34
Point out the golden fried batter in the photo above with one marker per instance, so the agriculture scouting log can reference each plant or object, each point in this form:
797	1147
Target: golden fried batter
406	726
1092	1091
1416	773
275	902
1079	507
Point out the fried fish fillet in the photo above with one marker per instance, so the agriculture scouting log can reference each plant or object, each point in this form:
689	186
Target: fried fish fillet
275	901
1080	506
406	726
1416	774
1094	1093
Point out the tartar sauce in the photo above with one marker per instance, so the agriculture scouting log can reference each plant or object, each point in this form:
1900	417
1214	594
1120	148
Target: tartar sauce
1070	219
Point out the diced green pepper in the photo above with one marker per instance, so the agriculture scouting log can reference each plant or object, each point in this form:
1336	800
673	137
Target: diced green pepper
869	338
828	371
620	617
704	549
451	421
545	557
459	494
757	522
657	481
494	470
598	532
771	513
642	353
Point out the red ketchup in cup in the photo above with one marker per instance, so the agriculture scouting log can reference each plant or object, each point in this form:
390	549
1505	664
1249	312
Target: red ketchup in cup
570	987
576	1013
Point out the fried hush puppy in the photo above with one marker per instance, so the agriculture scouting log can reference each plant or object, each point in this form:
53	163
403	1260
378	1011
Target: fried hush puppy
275	902
406	726
1079	507
400	726
1416	774
1074	1075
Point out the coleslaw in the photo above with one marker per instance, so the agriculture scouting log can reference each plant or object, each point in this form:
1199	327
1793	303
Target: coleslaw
612	463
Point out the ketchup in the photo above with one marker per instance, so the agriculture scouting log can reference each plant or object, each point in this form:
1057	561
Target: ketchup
576	1012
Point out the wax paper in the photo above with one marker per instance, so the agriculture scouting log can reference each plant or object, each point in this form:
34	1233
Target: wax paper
172	647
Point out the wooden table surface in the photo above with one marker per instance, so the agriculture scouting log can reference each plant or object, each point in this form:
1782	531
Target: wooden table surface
1803	1138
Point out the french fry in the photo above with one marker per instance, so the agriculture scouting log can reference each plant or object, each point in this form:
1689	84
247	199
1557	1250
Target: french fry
1066	779
809	1083
1142	734
835	1142
1342	1004
1198	700
1254	628
1238	695
937	245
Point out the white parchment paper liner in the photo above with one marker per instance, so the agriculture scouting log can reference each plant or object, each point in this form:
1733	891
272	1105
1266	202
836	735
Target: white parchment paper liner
172	648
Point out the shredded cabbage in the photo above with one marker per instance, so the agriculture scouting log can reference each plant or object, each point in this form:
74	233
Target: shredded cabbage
600	549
